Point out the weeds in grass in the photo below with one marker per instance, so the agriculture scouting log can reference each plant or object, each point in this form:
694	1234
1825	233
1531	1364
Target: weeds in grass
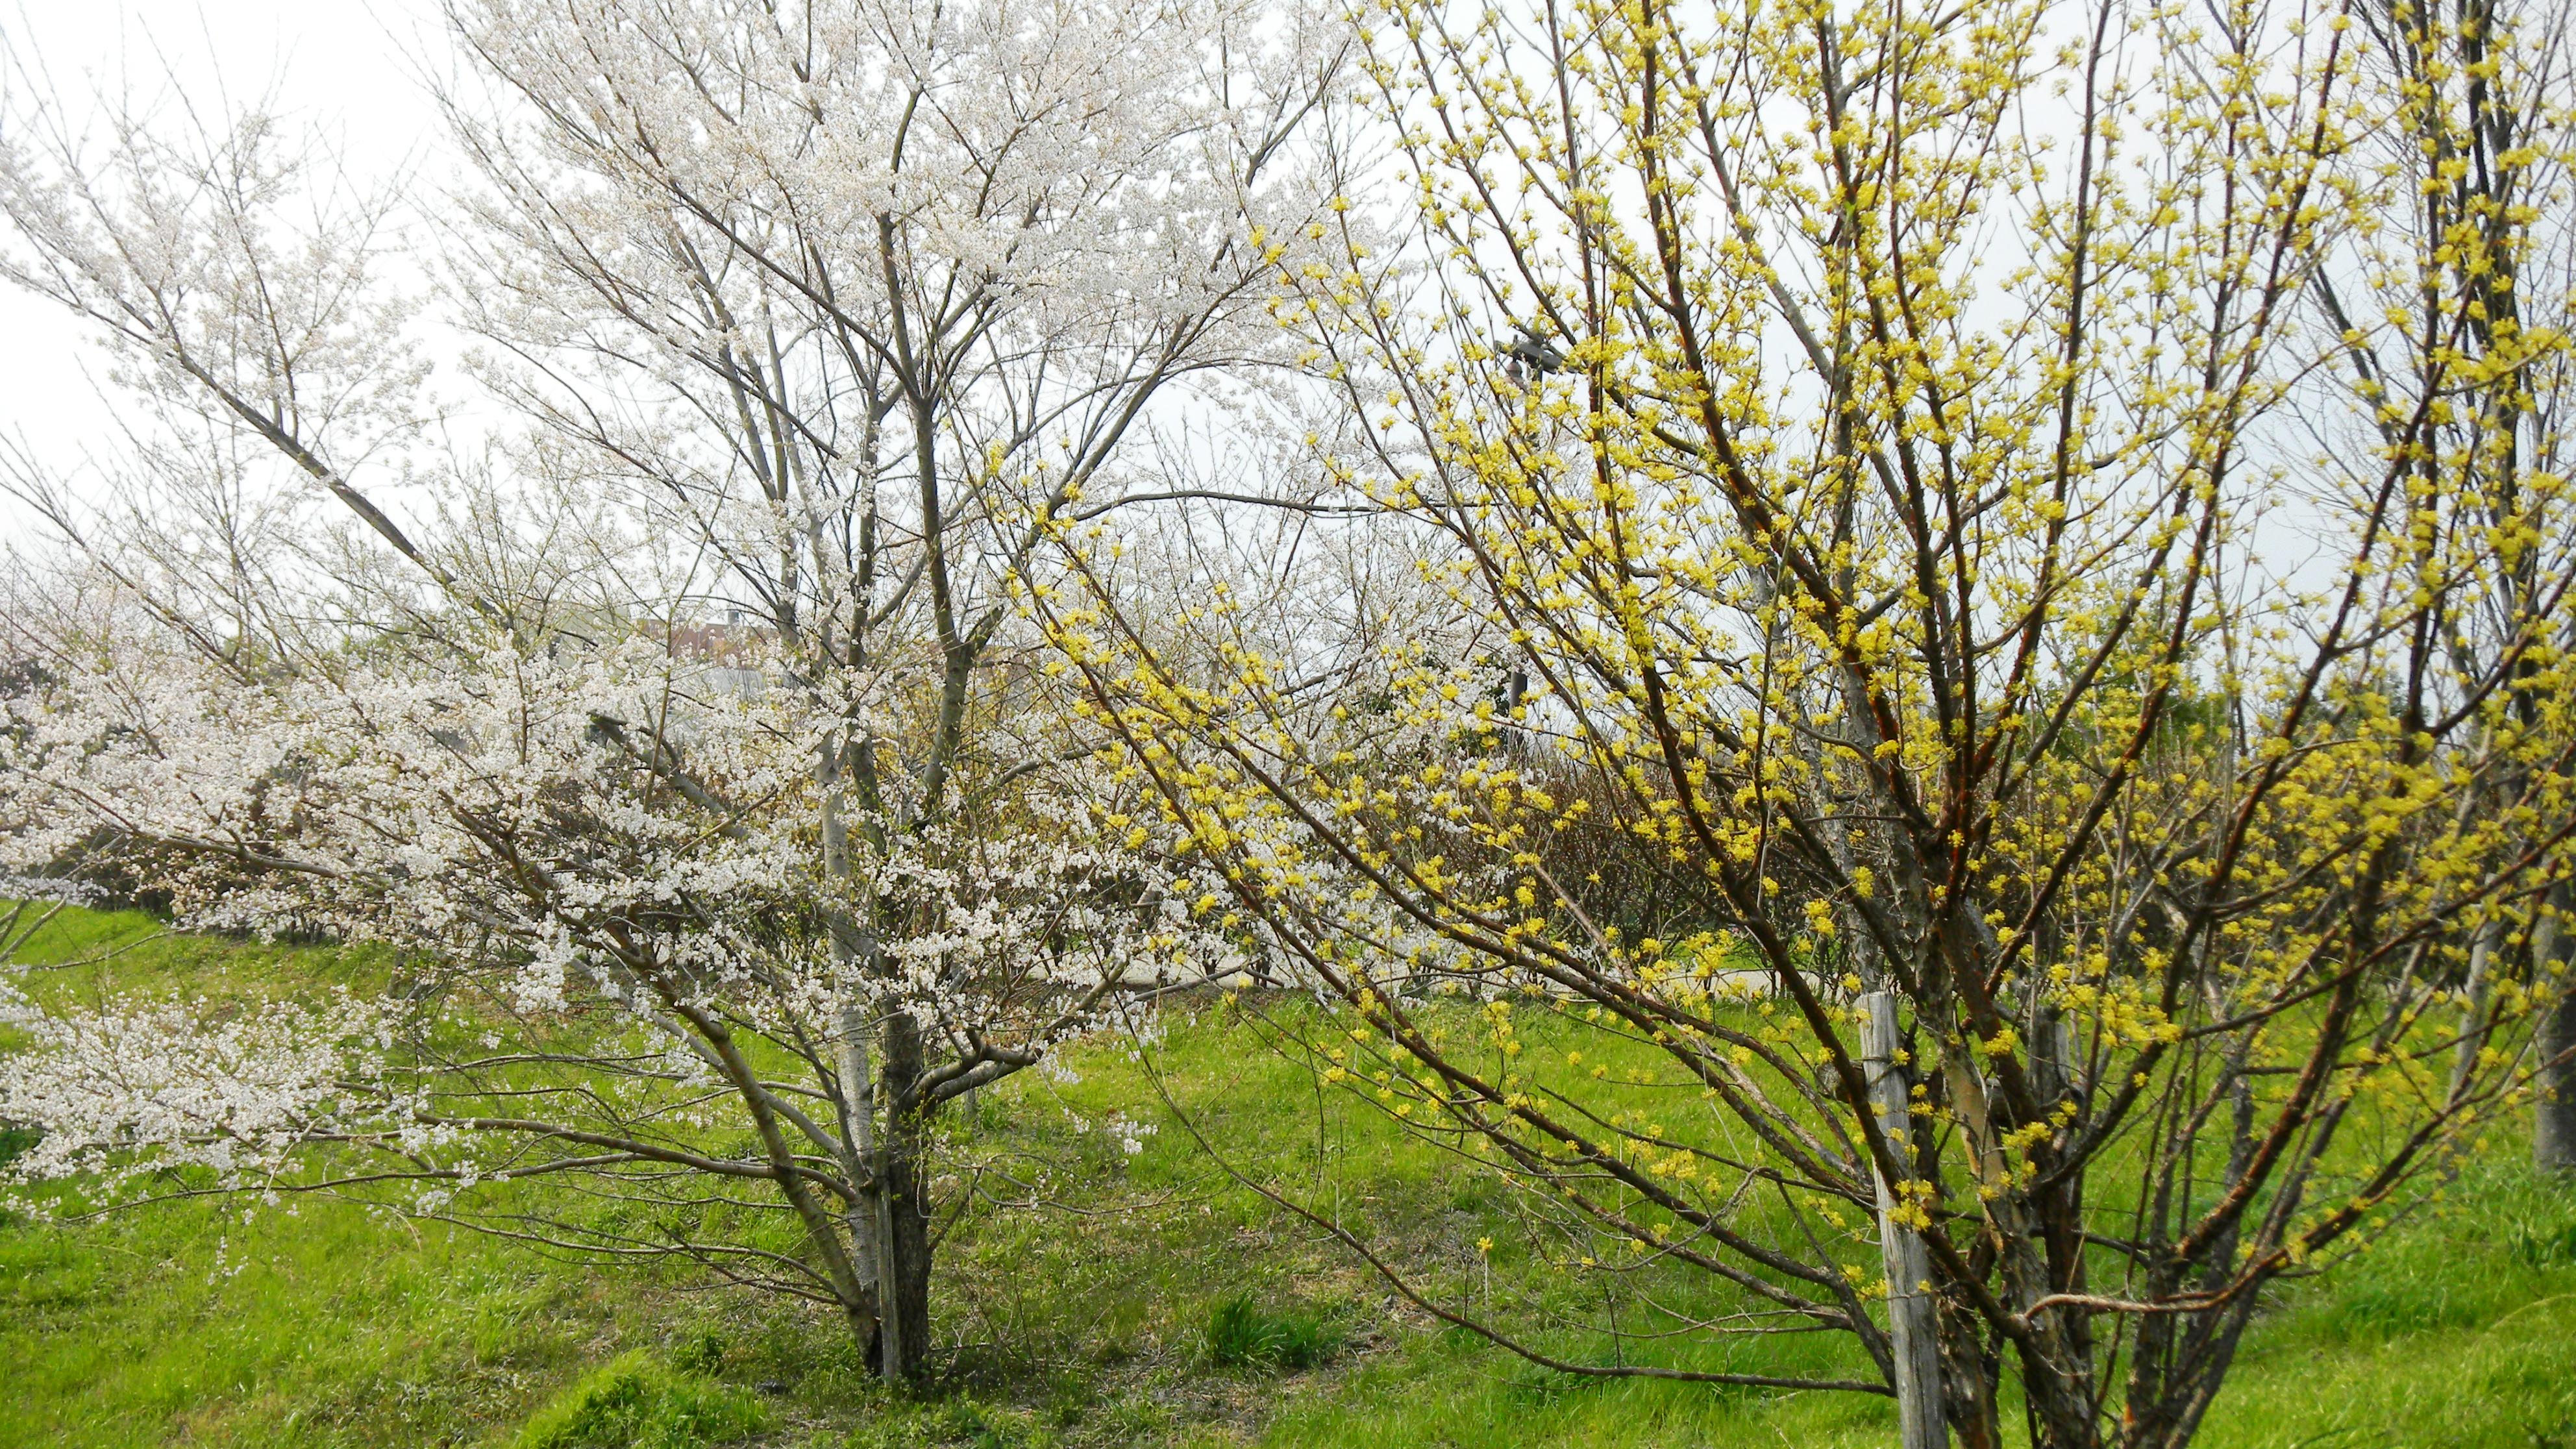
634	1403
1240	1333
958	1423
701	1352
2543	1243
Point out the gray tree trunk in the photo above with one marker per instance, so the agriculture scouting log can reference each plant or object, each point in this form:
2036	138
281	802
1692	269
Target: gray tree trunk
867	1215
1913	1327
903	1276
2553	1134
2473	1017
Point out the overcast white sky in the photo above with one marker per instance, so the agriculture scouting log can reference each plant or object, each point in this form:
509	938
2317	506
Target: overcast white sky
351	66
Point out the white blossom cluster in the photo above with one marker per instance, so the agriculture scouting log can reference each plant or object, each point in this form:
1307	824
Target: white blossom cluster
503	821
138	1087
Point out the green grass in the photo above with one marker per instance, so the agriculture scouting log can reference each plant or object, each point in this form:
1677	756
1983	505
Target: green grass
335	1326
1124	1300
2458	1329
634	1402
1242	1333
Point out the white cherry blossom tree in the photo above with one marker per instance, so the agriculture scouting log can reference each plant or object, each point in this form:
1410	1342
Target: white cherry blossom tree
682	729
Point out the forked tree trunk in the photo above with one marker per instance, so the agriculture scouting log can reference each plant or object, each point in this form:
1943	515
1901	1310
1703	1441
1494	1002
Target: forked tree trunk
890	1224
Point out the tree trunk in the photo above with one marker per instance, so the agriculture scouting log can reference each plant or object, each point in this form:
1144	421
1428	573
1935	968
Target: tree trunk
1913	1331
1970	1371
2553	1135
867	1234
903	1276
2473	1017
2554	1120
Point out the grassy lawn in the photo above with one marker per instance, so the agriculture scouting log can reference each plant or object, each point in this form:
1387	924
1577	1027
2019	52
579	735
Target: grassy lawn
1088	1296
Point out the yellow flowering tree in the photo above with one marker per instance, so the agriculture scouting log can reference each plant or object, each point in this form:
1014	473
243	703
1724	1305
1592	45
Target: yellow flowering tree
1990	773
